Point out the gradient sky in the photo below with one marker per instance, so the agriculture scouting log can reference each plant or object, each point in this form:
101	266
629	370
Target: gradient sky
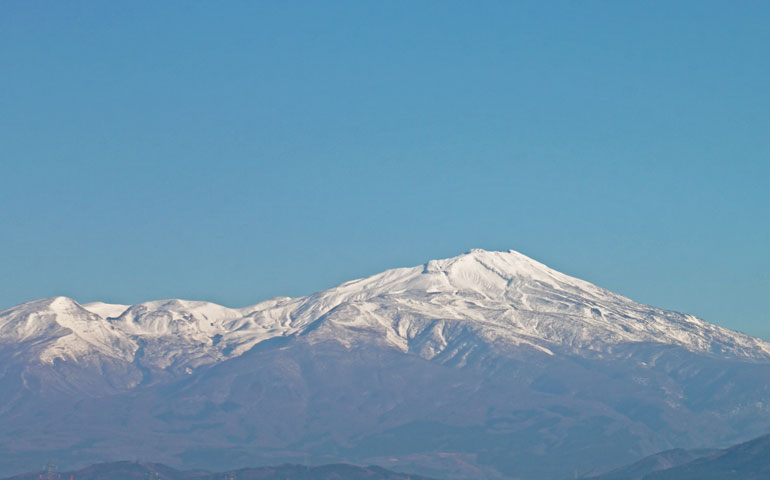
234	151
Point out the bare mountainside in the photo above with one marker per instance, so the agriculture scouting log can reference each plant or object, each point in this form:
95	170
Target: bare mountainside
485	365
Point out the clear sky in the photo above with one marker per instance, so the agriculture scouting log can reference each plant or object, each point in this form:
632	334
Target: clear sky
235	151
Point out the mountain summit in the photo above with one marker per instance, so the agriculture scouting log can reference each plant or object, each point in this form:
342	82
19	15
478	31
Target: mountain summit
484	365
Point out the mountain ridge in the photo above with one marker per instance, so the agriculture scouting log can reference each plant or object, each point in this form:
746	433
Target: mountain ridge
533	304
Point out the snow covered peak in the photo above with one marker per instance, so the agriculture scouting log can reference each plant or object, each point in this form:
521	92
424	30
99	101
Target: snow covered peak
60	328
478	273
52	304
43	313
491	272
512	265
175	317
62	304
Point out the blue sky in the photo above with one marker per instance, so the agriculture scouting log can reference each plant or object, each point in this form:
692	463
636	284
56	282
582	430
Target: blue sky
234	151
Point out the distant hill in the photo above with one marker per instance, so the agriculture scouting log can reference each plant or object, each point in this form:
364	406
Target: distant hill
654	463
157	471
746	461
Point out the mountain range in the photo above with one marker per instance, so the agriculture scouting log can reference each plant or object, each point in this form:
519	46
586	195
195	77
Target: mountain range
126	470
485	365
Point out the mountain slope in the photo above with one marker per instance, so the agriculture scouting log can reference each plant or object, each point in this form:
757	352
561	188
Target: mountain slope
747	461
485	365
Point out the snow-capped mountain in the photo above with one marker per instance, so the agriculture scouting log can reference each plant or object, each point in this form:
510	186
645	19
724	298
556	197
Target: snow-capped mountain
443	308
471	367
503	299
